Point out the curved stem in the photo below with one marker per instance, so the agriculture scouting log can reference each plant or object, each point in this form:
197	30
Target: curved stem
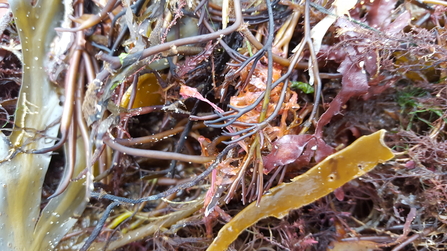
155	154
93	20
67	114
116	61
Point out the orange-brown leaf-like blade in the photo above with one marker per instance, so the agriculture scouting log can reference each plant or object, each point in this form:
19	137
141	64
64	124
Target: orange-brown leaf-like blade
333	172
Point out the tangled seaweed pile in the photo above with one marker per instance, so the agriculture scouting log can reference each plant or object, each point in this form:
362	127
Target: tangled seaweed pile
187	124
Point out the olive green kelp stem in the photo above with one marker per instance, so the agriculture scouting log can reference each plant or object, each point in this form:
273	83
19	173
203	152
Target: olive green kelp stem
22	225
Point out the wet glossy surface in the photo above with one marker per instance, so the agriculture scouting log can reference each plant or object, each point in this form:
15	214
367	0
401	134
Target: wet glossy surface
333	172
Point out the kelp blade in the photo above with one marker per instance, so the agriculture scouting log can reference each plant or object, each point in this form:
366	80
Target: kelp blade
333	172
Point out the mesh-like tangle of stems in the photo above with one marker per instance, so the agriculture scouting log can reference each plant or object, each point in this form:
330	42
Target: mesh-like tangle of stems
121	200
231	117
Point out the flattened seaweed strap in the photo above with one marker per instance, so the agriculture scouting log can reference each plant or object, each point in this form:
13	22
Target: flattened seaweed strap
333	172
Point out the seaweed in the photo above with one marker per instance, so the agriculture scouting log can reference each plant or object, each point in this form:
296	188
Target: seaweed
333	172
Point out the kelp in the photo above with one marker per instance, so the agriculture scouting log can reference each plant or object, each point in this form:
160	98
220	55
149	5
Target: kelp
23	225
148	92
157	225
333	172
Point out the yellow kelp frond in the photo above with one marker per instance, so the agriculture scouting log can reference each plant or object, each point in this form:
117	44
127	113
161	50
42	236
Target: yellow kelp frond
333	172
